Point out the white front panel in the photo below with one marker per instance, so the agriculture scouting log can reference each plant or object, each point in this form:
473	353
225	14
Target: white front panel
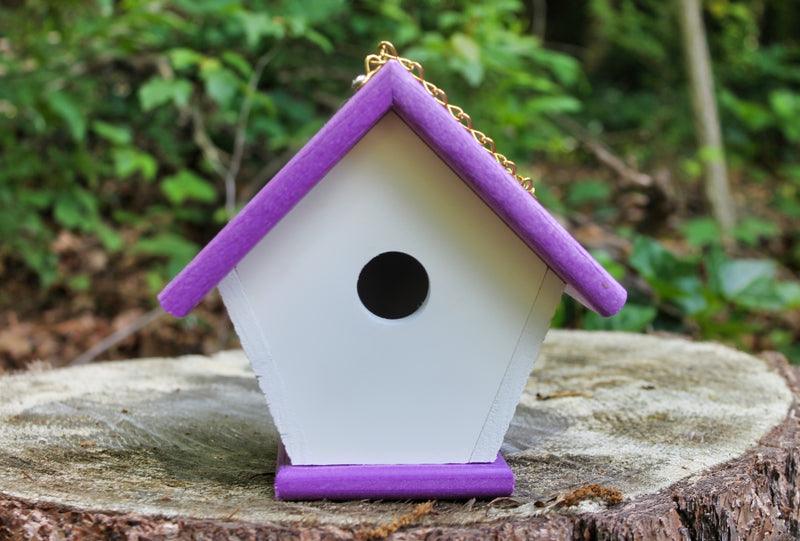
367	390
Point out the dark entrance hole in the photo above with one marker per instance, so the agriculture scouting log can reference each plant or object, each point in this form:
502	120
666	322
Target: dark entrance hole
393	285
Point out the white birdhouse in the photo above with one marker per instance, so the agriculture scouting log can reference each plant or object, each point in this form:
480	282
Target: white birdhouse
392	286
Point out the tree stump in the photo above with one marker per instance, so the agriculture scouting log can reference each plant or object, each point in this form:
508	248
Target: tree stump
617	435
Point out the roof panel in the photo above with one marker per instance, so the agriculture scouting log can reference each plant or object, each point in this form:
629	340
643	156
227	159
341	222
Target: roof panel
392	87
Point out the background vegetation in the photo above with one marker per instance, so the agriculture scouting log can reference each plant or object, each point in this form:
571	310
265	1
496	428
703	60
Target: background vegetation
130	130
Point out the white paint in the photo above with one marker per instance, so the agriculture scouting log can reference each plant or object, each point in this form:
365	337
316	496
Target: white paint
349	387
251	335
521	364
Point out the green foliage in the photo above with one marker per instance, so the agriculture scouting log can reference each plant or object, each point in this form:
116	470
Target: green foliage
158	91
632	318
482	55
723	298
675	281
187	186
100	97
175	249
757	78
121	121
588	191
750	231
785	106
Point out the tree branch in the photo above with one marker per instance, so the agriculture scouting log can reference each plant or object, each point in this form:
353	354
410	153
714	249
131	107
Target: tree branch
115	338
241	133
539	19
658	202
210	151
602	152
704	105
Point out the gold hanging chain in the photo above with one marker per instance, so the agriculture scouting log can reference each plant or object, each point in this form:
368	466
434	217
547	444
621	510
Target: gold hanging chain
386	52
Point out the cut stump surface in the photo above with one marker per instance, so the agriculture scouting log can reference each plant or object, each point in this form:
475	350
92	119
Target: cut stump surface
697	440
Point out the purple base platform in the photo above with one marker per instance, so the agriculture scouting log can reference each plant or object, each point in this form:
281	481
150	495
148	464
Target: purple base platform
392	482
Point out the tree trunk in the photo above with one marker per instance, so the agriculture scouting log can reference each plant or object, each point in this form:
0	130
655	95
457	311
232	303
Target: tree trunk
617	436
704	105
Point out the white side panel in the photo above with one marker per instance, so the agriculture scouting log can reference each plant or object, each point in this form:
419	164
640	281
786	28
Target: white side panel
258	352
367	390
530	342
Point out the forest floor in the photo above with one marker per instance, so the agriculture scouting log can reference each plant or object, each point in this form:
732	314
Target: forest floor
58	326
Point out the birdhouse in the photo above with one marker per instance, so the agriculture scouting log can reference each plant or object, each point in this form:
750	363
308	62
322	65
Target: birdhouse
392	286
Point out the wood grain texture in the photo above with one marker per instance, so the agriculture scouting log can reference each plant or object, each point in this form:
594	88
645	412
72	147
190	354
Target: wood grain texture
209	475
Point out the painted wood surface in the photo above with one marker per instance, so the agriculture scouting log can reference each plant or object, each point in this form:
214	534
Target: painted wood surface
394	89
349	387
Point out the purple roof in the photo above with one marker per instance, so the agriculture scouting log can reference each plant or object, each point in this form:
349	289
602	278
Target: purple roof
394	88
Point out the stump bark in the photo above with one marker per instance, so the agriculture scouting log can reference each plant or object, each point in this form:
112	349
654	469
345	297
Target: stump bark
617	436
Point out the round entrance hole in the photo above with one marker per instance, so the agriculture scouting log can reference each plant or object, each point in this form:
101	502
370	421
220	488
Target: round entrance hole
393	285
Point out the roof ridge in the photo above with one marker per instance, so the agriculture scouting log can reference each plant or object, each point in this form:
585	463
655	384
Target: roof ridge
393	88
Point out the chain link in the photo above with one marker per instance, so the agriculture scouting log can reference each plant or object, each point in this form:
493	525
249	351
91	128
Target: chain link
386	52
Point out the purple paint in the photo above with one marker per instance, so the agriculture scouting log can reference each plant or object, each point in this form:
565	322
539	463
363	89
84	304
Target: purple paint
396	481
393	88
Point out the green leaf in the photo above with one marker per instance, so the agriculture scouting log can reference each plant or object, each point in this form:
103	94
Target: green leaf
182	58
75	209
709	154
692	167
221	84
219	8
785	103
565	69
239	62
792	171
117	134
165	244
465	47
158	91
743	280
129	161
112	241
652	260
673	280
39	199
259	25
753	115
186	186
588	191
604	258
789	293
473	72
44	262
752	230
632	318
536	82
79	282
553	104
106	7
749	283
318	39
68	212
69	110
176	249
702	232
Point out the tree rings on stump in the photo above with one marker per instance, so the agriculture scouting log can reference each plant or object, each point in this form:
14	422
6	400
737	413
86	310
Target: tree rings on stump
616	434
